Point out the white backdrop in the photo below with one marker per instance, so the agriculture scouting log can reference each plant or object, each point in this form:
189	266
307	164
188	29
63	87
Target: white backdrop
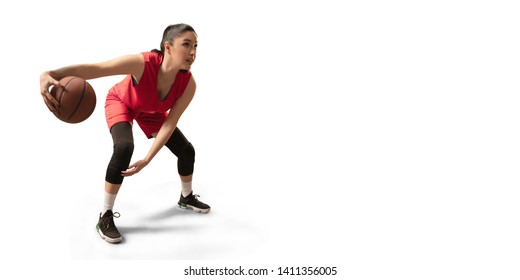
380	137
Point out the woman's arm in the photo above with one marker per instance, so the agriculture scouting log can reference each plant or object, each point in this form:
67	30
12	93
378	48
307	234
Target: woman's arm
128	64
166	130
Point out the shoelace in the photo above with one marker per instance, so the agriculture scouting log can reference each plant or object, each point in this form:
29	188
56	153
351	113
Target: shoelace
110	222
196	202
196	199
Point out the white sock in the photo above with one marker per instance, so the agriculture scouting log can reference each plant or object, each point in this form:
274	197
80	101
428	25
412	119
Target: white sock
108	202
186	188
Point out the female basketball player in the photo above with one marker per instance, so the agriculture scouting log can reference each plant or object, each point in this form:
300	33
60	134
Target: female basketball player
158	87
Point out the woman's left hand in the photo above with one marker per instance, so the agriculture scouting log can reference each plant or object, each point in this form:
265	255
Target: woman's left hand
134	168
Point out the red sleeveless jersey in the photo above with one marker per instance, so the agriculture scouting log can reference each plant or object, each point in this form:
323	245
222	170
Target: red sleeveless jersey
143	97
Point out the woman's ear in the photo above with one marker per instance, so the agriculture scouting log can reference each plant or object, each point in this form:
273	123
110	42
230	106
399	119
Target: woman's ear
167	47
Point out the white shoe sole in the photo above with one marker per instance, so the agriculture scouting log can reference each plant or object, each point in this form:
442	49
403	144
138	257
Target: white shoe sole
198	210
108	239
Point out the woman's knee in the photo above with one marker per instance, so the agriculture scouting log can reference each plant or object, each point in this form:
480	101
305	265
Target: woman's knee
186	160
188	152
123	149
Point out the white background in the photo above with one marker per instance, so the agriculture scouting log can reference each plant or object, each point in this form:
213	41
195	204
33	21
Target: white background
380	137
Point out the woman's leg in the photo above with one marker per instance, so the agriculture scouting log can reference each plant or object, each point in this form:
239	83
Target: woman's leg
123	149
183	149
123	141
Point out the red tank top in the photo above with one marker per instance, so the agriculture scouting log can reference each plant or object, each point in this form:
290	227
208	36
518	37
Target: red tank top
144	97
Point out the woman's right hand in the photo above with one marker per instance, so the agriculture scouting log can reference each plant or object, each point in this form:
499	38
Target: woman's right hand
46	81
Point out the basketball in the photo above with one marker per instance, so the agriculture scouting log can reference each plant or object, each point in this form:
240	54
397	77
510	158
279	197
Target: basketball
76	98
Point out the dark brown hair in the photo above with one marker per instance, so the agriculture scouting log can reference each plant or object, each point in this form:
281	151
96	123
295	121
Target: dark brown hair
171	32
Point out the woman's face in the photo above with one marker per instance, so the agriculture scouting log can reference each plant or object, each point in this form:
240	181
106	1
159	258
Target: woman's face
184	50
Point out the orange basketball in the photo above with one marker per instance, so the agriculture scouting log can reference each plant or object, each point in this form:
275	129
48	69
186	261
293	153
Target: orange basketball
76	98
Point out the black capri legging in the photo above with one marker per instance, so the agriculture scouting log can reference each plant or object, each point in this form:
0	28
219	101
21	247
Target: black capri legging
124	147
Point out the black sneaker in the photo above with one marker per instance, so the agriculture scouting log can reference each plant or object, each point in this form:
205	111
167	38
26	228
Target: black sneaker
107	229
192	202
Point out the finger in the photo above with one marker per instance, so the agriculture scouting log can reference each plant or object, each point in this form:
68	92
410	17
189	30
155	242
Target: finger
54	101
50	82
127	173
47	97
130	169
51	102
50	97
54	82
50	106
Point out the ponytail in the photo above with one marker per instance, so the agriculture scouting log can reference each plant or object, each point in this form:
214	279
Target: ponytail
171	32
